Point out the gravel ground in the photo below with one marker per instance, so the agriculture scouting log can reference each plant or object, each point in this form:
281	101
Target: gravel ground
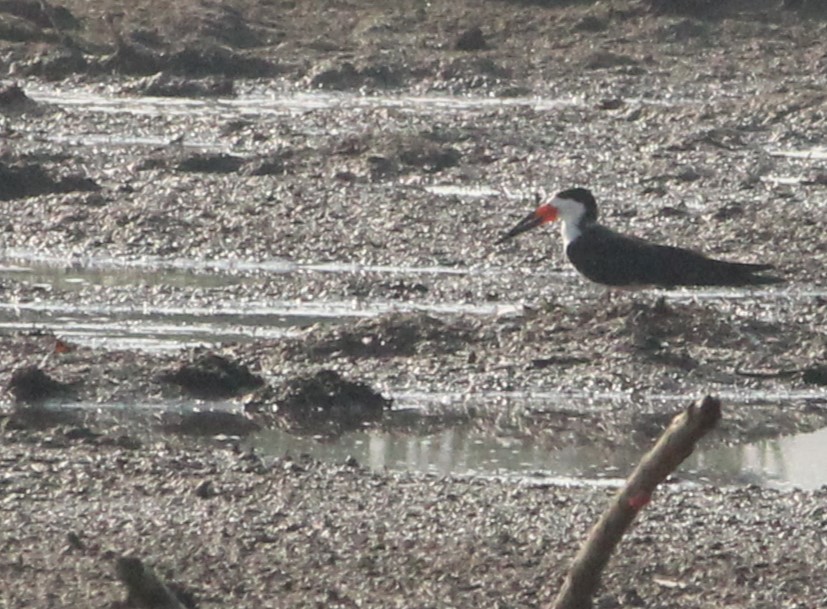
295	533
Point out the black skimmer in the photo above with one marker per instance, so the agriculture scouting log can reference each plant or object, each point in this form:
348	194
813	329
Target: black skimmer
615	260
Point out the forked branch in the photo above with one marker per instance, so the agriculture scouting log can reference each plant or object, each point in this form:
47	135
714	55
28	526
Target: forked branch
675	445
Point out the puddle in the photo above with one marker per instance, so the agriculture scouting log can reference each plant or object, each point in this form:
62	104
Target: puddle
471	192
816	153
145	335
248	105
454	451
123	139
783	180
463	451
785	463
171	327
70	273
18	263
285	312
12	259
152	317
153	326
263	103
147	322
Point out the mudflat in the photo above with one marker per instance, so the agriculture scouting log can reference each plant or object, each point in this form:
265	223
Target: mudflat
342	171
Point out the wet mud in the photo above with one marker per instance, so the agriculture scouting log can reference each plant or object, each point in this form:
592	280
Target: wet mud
330	199
320	404
232	530
210	377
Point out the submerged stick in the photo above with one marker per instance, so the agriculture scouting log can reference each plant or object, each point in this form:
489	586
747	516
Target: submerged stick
675	445
145	588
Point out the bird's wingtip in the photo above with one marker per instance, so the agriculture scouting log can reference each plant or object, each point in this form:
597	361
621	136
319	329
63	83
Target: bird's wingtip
768	279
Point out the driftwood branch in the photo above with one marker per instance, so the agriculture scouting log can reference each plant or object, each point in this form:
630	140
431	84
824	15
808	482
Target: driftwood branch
145	588
675	445
64	38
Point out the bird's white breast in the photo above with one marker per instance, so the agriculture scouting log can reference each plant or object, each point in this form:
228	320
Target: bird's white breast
570	231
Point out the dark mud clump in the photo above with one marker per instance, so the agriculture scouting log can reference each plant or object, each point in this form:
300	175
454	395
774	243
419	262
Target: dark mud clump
200	59
210	423
213	377
321	403
336	76
471	40
145	588
816	375
393	336
211	163
387	157
13	99
54	64
38	417
29	180
166	85
41	14
30	385
648	327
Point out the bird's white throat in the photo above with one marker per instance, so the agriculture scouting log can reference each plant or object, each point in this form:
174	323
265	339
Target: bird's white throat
570	213
570	232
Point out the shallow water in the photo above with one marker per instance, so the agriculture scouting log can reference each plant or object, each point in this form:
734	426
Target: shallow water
159	269
146	335
142	324
462	450
264	102
261	102
146	321
248	105
816	153
784	463
163	327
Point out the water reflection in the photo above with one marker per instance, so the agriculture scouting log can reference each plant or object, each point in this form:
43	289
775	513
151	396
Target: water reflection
794	461
269	104
816	153
154	326
190	271
784	463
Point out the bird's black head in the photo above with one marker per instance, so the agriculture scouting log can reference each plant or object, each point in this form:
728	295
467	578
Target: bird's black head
575	207
584	197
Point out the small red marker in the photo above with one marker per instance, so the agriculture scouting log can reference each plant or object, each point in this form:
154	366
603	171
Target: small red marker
62	346
638	501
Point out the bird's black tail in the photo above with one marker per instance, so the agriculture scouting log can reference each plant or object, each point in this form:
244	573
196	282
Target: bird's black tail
725	273
750	267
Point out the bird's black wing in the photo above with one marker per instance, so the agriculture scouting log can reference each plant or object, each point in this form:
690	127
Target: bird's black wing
607	257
